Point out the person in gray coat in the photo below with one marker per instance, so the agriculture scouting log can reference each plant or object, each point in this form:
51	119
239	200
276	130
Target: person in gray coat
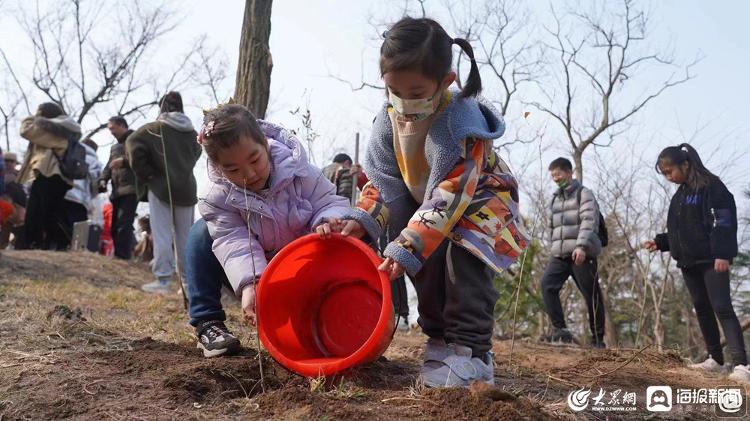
575	247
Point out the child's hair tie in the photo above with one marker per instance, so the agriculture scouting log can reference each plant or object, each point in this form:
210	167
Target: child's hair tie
206	131
684	149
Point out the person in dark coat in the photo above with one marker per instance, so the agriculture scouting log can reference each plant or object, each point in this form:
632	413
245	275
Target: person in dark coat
123	197
702	237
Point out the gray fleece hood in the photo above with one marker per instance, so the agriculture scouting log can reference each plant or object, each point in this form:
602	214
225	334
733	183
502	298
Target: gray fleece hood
177	120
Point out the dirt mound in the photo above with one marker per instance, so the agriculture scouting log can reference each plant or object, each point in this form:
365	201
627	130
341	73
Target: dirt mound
82	341
481	403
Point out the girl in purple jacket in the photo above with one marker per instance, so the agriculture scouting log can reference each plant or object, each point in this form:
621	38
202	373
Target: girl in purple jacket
263	194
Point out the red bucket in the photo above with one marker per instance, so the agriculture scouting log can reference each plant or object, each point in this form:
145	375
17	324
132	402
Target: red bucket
323	306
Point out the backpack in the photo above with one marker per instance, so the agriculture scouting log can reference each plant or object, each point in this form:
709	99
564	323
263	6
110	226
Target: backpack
602	232
73	162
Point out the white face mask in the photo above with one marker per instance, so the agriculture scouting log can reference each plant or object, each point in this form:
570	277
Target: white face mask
422	107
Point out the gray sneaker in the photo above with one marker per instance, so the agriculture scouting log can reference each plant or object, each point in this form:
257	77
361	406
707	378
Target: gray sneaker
709	366
435	350
157	287
458	368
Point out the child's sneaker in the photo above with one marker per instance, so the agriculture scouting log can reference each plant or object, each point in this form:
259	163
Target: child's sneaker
215	339
435	350
457	369
741	373
709	366
159	286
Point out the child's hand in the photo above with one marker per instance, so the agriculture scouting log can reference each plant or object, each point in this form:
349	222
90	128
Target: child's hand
248	304
353	228
392	268
721	265
325	229
117	163
579	256
649	245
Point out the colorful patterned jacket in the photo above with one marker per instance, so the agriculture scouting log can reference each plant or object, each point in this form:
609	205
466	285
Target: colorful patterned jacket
471	196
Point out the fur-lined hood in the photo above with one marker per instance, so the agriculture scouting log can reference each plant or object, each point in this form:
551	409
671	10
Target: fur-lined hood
62	126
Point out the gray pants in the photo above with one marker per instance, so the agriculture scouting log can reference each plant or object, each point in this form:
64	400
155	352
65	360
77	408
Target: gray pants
163	265
457	298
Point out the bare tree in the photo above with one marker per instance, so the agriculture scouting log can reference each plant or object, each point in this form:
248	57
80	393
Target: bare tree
210	71
8	113
596	64
253	83
77	65
504	48
14	96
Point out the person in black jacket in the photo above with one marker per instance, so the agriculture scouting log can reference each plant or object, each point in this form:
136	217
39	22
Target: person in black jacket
124	199
702	237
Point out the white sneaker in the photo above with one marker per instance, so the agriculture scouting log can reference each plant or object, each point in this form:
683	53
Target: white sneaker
741	373
157	287
403	325
709	366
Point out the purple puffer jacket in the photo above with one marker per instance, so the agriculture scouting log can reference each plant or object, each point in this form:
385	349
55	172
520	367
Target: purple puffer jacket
298	199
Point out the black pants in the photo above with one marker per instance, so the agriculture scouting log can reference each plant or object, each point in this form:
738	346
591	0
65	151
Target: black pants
45	214
123	214
586	278
709	291
74	212
457	298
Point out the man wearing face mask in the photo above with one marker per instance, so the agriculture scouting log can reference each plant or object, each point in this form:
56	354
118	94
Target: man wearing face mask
577	240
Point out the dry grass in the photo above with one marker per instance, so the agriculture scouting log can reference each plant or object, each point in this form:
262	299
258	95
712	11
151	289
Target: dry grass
85	342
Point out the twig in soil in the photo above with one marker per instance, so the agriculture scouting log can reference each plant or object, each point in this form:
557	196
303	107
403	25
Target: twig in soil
239	383
85	387
254	406
10	365
57	334
406	398
544	395
226	392
515	309
23	355
253	388
620	366
557	379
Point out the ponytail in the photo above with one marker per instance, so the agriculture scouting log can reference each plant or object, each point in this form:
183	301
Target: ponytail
473	85
423	45
698	176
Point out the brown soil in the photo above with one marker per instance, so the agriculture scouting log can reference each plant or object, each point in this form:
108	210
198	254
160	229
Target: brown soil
81	341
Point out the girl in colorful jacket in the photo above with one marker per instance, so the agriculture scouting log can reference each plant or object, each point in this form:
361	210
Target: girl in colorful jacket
702	238
450	202
263	194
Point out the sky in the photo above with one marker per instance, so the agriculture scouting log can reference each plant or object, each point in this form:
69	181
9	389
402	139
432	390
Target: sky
312	40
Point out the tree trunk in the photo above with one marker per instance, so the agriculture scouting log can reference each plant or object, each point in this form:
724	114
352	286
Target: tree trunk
254	67
578	162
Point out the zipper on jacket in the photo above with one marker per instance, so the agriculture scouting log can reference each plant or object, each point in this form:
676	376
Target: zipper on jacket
713	215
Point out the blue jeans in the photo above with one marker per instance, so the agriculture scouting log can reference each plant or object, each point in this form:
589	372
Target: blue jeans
205	276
